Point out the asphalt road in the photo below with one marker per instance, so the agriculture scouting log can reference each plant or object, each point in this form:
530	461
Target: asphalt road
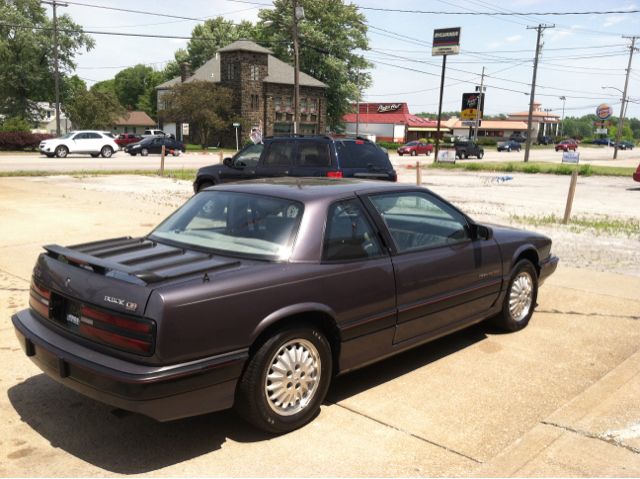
123	162
556	399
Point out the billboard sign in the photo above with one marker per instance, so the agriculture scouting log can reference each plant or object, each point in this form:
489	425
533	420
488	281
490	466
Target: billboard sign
470	105
389	108
570	157
447	154
604	111
446	41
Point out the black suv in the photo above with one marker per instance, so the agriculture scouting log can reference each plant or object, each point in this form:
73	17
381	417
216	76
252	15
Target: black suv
465	149
545	140
301	155
519	137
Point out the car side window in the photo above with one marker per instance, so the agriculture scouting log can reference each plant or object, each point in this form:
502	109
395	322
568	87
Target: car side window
80	136
417	221
279	154
94	136
313	155
349	236
249	156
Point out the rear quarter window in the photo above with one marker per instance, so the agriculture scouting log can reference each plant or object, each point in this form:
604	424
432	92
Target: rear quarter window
353	154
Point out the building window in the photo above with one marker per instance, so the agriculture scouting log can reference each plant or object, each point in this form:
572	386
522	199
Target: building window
230	71
303	105
255	103
134	130
289	105
254	72
314	106
48	114
278	104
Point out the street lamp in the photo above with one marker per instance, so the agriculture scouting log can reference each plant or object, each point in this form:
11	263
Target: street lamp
562	124
620	122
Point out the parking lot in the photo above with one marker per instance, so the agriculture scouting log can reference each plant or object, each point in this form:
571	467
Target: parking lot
556	399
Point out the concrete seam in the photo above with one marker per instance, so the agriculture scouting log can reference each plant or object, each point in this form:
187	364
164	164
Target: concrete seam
407	432
591	292
593	435
15	276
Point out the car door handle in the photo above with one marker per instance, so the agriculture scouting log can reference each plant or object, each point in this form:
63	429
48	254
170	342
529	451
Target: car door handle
284	173
251	172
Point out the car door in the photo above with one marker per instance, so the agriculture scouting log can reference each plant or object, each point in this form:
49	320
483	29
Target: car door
243	166
155	146
313	158
277	160
78	143
94	143
442	274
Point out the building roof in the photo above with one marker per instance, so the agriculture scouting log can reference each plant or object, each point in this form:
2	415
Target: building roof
400	116
536	113
136	118
210	71
245	46
168	84
281	72
495	125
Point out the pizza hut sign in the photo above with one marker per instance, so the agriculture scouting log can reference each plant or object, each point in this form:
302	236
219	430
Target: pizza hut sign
603	111
388	108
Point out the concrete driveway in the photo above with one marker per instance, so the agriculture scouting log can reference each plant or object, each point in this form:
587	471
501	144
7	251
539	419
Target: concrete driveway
556	399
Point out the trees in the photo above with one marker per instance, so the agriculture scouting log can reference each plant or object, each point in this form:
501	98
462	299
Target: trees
29	53
135	87
206	104
95	109
15	125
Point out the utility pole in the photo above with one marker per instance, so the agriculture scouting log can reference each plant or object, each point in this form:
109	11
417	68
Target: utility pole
562	124
475	133
55	52
358	105
624	98
296	74
540	28
444	66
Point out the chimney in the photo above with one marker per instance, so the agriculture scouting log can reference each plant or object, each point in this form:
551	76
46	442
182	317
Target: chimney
130	108
185	71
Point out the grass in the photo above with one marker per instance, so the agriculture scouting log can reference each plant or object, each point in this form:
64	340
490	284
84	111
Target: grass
579	224
538	167
180	174
193	148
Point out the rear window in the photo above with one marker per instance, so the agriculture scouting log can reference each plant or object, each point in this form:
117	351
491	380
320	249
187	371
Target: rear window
313	155
355	154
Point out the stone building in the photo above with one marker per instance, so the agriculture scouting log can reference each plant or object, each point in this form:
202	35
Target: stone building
263	89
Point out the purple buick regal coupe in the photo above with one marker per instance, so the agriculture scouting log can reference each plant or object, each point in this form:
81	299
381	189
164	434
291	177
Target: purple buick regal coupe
254	295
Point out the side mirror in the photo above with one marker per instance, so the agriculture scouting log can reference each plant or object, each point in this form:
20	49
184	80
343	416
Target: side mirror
227	161
484	233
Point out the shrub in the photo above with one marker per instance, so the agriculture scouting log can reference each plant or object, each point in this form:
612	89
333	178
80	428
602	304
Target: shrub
15	125
563	170
446	139
389	145
432	141
531	169
248	142
509	168
423	139
585	170
487	142
556	138
577	136
21	141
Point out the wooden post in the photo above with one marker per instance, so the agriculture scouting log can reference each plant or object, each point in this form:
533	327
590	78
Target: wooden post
418	173
221	153
162	162
572	191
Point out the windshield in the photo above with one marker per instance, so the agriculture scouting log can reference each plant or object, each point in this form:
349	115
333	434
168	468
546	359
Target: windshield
234	224
360	154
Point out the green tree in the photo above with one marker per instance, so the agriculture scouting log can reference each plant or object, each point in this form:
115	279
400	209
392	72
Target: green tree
15	125
95	109
135	87
627	133
27	56
108	85
206	104
172	69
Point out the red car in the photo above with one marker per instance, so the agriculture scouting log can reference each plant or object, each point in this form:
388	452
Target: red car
127	139
567	145
636	175
416	148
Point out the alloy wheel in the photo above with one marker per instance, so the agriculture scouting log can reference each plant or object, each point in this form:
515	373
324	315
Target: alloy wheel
521	296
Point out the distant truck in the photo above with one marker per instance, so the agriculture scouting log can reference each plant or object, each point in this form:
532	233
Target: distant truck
152	133
127	139
465	149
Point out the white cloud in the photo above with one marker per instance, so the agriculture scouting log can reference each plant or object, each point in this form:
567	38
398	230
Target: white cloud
614	20
514	38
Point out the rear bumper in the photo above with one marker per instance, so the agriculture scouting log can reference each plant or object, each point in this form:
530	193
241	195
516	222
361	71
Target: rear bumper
636	176
163	393
547	267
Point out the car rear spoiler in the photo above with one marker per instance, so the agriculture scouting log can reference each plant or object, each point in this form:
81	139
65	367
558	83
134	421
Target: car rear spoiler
170	263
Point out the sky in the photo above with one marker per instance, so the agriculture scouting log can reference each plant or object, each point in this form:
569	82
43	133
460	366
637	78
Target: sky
582	54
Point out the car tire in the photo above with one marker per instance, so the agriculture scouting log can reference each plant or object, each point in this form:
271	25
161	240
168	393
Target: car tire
400	154
413	153
259	387
480	155
62	151
95	155
509	150
464	155
176	152
133	154
106	152
520	300
50	155
144	152
428	152
205	185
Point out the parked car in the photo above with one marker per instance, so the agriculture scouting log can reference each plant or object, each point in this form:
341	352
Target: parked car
626	145
465	149
301	155
154	133
545	140
604	141
510	146
94	143
154	145
414	148
567	145
636	175
127	139
519	137
254	295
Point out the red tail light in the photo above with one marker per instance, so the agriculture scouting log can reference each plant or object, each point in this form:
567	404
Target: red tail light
112	339
395	178
359	142
115	331
334	174
39	299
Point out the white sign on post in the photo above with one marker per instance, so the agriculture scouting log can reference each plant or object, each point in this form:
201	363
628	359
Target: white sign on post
447	155
570	157
185	128
602	131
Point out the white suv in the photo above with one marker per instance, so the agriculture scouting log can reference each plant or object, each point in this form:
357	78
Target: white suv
95	143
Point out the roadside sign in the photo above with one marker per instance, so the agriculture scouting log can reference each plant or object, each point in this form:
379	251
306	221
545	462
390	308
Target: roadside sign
570	157
603	123
185	128
447	154
236	125
604	111
471	123
602	131
446	41
470	105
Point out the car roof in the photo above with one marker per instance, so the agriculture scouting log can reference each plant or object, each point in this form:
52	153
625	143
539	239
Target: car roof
310	189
